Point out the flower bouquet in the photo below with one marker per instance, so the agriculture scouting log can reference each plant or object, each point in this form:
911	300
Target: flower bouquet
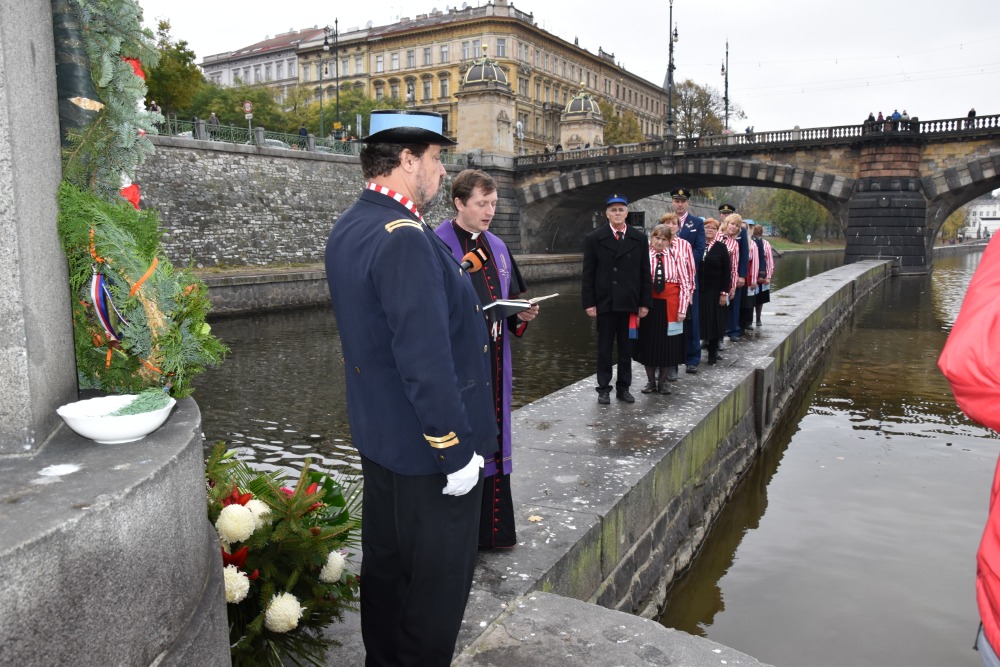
284	553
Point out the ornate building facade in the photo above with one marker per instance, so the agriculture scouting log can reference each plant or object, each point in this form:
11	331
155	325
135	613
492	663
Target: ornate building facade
424	60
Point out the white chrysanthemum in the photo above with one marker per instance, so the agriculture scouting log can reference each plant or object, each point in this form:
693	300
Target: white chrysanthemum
330	574
283	613
237	584
261	512
235	523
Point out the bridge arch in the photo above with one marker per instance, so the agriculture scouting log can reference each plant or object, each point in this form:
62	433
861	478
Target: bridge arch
951	188
559	208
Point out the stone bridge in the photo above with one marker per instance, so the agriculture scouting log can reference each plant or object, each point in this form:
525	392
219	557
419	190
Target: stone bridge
891	185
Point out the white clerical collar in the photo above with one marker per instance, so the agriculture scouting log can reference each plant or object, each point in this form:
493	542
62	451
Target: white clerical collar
475	235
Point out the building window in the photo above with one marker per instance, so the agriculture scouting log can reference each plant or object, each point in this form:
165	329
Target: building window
501	47
444	123
379	63
256	74
548	92
427	89
394	90
411	58
379	91
444	88
522	86
345	67
465	50
236	75
427	55
306	71
411	91
394	61
267	72
292	72
359	64
538	91
545	62
279	70
444	53
476	48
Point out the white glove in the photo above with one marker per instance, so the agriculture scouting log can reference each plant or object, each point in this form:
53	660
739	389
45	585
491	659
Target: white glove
462	481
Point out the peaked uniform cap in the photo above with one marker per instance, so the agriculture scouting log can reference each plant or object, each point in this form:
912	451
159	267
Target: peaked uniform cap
402	126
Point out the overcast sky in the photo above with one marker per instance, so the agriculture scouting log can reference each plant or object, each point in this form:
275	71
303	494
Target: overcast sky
791	62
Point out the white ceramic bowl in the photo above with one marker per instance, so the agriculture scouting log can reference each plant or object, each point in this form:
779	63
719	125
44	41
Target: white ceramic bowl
90	419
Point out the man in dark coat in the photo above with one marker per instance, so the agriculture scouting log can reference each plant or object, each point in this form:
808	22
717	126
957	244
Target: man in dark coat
617	289
419	396
691	229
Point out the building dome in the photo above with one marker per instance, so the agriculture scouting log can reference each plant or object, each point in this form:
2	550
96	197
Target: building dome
485	72
582	105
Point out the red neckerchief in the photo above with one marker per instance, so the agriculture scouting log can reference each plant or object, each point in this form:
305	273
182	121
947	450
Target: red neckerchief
398	197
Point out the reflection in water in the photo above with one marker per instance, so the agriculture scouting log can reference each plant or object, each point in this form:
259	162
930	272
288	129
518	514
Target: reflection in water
852	540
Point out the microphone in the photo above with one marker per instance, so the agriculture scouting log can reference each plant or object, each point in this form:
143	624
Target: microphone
474	260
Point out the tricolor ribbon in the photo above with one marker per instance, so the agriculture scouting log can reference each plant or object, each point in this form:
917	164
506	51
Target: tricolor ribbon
633	326
104	304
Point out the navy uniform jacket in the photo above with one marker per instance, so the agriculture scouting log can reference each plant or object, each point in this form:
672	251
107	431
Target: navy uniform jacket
616	276
693	231
743	260
415	347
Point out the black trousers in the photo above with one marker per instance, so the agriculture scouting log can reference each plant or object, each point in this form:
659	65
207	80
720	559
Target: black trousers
611	328
419	553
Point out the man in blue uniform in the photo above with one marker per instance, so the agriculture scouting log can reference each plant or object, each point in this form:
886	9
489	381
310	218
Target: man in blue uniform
734	330
692	230
419	398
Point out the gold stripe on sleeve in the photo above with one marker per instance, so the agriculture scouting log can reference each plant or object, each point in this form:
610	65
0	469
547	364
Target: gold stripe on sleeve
396	224
443	442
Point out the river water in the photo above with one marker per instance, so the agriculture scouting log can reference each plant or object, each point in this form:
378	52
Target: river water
850	542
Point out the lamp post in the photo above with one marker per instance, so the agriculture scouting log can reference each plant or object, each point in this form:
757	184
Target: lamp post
327	31
672	34
725	74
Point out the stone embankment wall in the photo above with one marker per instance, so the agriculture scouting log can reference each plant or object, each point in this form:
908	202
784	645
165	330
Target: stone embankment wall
231	205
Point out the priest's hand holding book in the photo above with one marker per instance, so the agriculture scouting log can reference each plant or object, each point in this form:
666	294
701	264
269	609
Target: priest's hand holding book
525	309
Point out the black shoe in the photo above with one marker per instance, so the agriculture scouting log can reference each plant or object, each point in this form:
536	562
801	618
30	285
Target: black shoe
672	373
649	388
664	388
759	324
623	395
692	369
604	397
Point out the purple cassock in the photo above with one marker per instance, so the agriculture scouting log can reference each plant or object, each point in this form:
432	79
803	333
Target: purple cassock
498	279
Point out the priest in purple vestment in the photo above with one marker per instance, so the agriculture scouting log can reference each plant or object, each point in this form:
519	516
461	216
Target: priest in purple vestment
474	195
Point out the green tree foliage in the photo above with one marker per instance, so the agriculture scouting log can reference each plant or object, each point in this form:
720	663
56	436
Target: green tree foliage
954	224
175	81
700	110
795	216
227	103
621	128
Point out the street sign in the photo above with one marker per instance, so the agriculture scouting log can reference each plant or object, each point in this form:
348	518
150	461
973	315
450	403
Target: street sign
248	116
247	107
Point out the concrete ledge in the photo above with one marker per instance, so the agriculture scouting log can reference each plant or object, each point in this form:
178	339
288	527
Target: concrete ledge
114	561
544	629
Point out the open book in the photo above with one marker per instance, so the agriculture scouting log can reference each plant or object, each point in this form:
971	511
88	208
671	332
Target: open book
504	308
